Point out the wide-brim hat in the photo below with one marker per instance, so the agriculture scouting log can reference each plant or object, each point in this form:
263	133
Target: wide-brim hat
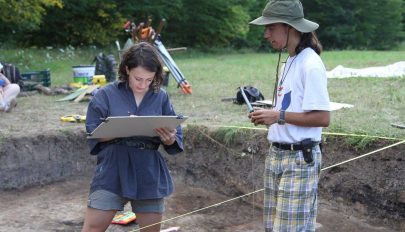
289	12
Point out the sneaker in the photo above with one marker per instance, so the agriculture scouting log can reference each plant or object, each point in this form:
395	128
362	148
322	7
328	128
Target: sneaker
11	105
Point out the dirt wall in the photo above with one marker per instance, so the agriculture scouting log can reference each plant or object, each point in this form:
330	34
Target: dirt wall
30	161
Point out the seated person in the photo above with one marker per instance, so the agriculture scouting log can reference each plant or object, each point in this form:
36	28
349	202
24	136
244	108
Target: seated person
8	93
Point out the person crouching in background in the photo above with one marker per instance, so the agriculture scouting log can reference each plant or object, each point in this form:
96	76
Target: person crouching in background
8	93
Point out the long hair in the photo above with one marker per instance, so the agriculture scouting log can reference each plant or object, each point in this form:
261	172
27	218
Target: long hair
309	40
142	55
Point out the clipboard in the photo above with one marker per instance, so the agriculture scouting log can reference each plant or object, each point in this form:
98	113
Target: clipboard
128	126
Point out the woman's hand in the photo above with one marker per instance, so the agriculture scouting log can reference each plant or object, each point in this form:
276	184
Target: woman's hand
264	116
167	136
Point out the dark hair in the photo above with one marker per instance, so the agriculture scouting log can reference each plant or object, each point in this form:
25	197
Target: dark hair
309	40
142	55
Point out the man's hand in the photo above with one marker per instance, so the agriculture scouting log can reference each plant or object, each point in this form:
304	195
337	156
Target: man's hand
264	116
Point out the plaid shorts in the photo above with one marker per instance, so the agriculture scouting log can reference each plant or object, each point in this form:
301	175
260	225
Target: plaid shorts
290	190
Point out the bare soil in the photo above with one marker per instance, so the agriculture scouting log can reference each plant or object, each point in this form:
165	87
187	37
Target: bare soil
45	171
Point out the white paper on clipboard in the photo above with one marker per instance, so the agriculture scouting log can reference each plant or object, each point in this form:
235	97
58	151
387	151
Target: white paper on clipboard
127	126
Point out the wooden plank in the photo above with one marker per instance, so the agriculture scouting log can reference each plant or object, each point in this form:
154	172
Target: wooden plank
88	90
74	94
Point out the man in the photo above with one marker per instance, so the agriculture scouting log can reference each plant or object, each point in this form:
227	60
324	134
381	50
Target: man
301	109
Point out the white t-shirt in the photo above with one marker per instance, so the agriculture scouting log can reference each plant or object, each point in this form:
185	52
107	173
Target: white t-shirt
304	88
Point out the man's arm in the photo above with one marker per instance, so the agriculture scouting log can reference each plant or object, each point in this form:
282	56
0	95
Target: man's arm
315	118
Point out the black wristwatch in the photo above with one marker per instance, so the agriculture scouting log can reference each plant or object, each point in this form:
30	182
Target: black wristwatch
281	119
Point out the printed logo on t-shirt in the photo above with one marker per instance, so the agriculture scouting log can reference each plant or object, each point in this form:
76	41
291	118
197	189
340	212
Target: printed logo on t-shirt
286	101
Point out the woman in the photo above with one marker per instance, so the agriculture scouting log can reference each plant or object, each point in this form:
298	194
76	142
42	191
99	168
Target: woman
8	93
301	109
131	169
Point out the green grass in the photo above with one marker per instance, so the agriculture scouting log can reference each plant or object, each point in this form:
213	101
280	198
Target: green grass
378	101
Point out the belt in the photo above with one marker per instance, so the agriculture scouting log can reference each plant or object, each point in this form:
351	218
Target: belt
291	146
135	143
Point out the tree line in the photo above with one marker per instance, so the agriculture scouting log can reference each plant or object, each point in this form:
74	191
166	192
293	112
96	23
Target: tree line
344	24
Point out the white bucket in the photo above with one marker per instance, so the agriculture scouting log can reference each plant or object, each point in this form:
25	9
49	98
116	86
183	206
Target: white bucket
83	74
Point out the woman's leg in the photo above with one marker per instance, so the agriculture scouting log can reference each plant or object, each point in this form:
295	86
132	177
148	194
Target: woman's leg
148	213
101	208
97	220
8	100
10	92
2	103
147	219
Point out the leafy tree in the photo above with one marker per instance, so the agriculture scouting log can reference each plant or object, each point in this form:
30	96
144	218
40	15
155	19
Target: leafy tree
80	23
357	23
27	14
360	24
254	37
141	10
195	22
388	28
17	17
209	23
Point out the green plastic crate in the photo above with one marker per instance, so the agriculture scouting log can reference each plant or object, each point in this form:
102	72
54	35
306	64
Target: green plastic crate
31	79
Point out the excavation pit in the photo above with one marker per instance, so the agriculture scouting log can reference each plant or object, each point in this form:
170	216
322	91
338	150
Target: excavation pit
44	183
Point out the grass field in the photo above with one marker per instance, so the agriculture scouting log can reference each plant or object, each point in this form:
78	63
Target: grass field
378	102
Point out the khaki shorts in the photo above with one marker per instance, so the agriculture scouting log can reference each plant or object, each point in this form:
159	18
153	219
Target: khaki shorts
105	200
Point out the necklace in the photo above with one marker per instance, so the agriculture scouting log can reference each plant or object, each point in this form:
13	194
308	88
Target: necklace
283	76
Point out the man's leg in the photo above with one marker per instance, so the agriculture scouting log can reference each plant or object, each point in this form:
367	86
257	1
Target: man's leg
297	198
271	181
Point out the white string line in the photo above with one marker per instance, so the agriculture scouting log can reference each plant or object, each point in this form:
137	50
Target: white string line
198	210
260	190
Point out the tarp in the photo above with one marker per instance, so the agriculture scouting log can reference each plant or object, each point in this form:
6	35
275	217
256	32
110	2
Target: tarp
393	70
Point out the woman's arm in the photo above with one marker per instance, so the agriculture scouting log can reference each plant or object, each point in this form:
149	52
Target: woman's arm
176	136
4	78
